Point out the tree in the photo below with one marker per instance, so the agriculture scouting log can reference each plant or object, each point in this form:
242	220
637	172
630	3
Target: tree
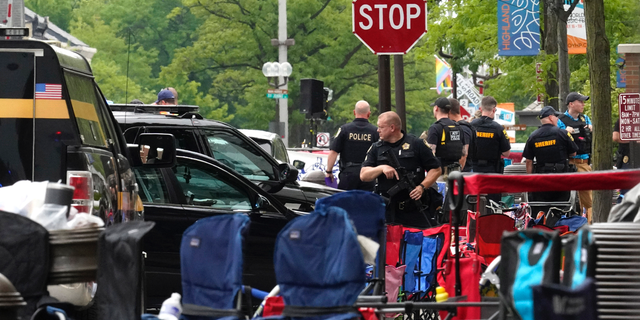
598	54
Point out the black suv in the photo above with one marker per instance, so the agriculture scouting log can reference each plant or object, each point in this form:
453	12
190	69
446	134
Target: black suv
224	143
55	125
199	187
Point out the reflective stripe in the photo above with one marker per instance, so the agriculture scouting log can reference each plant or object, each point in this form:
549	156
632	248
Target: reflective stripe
85	110
23	108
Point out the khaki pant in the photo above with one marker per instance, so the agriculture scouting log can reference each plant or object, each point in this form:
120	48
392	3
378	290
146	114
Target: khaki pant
584	195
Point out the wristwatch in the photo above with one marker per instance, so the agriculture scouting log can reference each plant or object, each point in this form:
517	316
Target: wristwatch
330	172
423	187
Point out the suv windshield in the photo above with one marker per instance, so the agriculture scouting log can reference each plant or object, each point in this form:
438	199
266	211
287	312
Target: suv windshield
239	155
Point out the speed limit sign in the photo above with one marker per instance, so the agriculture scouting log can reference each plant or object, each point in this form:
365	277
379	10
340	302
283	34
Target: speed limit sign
322	139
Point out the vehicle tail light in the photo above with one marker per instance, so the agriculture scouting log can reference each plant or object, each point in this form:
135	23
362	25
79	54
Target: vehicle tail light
83	193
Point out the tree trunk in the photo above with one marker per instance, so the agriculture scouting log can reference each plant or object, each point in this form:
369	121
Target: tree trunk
563	57
564	74
598	55
551	48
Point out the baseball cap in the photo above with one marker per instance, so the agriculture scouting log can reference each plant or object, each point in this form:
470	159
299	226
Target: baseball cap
573	96
164	94
442	103
547	111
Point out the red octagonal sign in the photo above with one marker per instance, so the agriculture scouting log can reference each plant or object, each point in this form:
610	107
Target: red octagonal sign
389	26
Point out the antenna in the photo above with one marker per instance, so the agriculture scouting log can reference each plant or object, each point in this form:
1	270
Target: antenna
126	87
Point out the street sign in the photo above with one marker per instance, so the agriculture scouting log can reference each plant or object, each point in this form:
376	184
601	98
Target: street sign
467	88
515	127
629	109
277	96
389	26
322	139
277	91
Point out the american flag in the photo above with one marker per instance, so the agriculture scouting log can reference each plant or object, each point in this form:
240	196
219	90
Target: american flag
48	91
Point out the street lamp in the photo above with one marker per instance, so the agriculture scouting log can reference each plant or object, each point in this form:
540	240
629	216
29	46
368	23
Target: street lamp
274	70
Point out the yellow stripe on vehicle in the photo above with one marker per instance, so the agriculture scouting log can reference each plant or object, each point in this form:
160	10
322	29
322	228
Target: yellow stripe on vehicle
23	109
85	110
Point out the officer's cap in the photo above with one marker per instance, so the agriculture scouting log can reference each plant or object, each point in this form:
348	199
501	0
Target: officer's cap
442	103
573	96
547	111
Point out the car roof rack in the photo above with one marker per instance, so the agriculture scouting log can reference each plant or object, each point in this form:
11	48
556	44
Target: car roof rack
170	110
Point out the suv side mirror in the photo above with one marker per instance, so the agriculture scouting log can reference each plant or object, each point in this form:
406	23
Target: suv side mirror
154	150
288	173
299	164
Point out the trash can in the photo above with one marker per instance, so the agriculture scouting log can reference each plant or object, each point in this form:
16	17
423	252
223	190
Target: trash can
10	300
74	255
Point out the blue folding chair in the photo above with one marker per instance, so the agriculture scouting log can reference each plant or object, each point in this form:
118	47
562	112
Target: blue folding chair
319	266
211	267
367	211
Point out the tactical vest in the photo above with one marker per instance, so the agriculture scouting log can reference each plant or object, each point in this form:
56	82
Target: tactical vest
449	147
581	134
472	143
550	153
487	145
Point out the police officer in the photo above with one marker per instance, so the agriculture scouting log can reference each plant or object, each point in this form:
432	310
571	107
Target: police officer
469	133
551	147
491	142
352	142
622	154
446	138
413	154
579	125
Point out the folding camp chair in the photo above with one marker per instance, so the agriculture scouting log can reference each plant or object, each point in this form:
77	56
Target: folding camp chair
211	267
367	212
489	230
319	266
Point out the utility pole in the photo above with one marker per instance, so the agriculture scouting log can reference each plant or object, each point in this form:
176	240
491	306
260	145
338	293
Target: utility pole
283	107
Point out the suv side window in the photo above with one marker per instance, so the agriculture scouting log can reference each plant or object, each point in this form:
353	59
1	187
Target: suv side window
185	138
204	187
239	155
86	108
152	186
280	152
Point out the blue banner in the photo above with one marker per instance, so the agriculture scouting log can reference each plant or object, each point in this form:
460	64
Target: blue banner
518	27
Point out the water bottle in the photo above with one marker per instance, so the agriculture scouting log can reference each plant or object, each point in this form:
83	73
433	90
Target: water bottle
441	295
171	308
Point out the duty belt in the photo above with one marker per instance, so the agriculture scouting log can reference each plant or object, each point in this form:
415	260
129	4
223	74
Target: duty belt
486	163
353	164
551	167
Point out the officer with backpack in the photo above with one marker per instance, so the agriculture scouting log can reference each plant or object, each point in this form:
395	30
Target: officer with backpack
469	133
551	147
579	126
446	139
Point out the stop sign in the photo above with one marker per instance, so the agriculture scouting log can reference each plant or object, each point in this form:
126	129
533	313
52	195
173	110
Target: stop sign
389	26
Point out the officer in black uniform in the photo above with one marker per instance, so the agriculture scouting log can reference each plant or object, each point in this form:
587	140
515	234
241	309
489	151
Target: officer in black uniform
551	147
491	143
468	133
622	154
352	142
414	155
446	138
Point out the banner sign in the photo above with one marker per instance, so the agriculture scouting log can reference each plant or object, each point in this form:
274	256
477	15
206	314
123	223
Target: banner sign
518	27
576	29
